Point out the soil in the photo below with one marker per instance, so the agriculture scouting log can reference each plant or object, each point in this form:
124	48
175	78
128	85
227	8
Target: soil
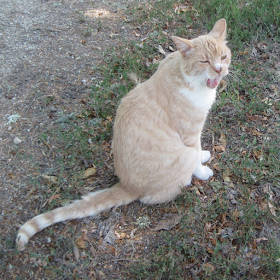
49	50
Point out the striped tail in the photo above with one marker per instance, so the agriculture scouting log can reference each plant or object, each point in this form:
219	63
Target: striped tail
90	205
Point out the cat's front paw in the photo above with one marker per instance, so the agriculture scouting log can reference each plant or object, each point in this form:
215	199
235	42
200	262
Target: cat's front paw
205	156
203	172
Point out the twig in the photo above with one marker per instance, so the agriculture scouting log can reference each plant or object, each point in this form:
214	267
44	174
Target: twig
57	189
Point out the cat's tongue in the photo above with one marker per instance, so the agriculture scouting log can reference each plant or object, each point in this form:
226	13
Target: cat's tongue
212	83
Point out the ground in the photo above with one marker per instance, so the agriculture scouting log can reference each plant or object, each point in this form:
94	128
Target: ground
51	53
49	50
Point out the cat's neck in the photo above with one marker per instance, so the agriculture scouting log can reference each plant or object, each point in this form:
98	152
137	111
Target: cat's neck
200	95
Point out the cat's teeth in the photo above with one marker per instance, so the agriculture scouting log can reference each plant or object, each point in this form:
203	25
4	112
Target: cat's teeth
212	83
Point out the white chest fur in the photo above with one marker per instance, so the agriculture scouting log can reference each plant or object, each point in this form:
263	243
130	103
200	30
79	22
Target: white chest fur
201	96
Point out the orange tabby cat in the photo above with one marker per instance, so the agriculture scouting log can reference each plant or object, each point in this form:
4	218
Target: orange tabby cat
157	130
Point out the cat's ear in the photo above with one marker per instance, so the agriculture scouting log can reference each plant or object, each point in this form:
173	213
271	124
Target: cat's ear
219	30
183	45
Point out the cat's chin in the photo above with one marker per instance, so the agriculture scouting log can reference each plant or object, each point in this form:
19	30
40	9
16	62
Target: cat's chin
213	83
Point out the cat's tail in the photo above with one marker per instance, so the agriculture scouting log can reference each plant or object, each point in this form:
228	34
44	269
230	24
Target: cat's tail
90	205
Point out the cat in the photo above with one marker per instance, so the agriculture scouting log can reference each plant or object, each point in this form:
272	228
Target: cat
156	139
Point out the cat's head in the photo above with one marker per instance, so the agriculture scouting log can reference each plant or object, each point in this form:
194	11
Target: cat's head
206	59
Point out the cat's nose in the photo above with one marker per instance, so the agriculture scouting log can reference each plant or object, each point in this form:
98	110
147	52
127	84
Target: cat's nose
218	68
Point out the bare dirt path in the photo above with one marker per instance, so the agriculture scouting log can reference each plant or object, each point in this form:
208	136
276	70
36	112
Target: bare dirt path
49	50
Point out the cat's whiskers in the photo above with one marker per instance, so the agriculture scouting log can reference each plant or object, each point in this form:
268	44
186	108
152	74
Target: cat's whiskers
200	80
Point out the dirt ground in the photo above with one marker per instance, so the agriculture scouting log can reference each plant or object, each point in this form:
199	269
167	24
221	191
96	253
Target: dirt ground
49	49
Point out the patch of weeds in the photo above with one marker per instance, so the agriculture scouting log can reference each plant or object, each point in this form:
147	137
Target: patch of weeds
87	32
82	18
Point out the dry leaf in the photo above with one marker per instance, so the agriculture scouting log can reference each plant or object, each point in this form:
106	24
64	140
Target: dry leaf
136	34
209	267
213	241
235	214
262	206
55	196
216	167
80	243
132	233
170	221
219	148
209	250
52	179
101	274
223	140
89	172
272	209
171	49
195	189
161	50
76	252
11	174
208	227
110	237
256	133
257	154
258	240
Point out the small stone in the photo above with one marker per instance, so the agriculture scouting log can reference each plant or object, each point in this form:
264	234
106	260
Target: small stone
17	141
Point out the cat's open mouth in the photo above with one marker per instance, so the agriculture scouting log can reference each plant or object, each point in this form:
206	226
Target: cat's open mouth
212	83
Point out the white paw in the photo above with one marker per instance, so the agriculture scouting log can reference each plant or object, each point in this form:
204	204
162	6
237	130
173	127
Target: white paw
203	172
205	156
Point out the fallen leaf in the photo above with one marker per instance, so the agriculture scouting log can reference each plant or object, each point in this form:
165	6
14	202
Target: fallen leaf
272	209
52	179
216	167
209	250
76	252
262	205
209	267
110	237
223	140
213	241
89	172
161	50
258	240
132	233
219	148
136	34
170	221
11	174
195	189
257	133
208	227
101	274
258	153
235	214
171	48
55	196
80	243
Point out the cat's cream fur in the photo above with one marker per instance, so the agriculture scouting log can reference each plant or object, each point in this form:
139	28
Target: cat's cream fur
157	130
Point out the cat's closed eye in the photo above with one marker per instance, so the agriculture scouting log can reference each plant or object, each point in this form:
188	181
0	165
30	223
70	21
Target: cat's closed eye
204	61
